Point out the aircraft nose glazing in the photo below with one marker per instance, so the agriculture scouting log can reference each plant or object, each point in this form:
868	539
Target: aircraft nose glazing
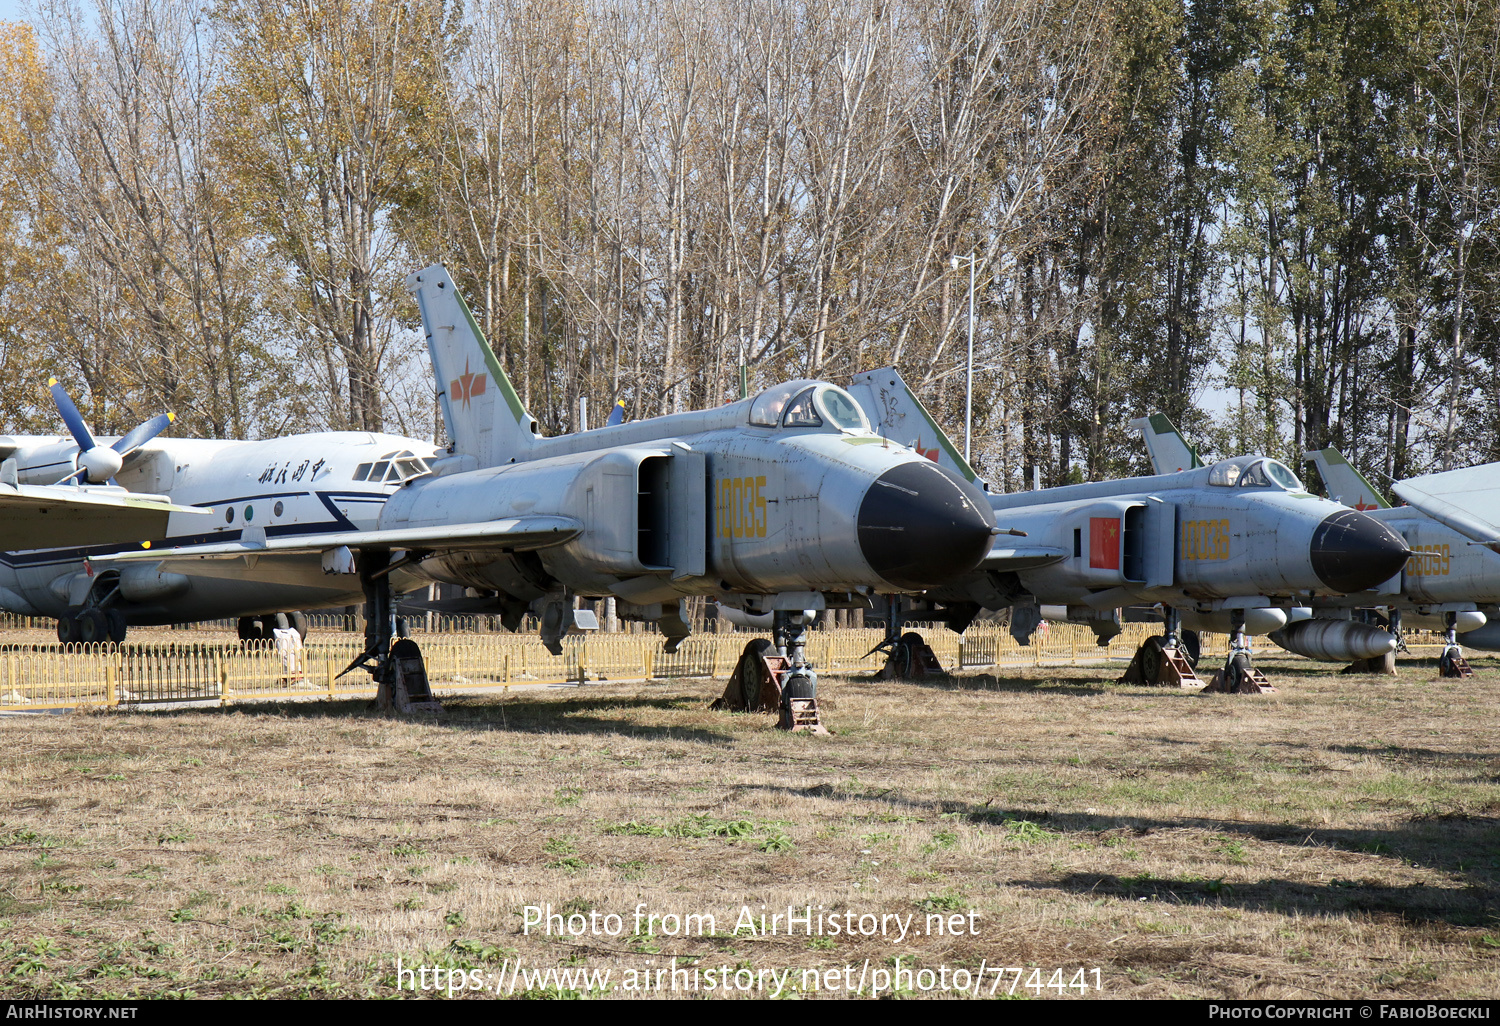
1352	552
919	529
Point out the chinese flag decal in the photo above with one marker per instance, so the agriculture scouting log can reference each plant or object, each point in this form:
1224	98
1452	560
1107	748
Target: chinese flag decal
1104	543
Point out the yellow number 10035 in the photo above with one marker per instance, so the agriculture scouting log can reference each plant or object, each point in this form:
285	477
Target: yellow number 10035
741	507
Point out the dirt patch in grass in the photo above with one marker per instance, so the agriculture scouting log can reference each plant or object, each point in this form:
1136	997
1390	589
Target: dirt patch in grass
1338	839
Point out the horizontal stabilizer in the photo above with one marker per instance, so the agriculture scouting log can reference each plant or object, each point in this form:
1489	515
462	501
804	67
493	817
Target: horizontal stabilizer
1466	500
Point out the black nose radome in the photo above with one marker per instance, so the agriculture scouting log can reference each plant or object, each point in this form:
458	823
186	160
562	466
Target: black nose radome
1352	552
919	528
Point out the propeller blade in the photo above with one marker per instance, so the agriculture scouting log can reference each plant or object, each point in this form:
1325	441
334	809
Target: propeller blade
97	463
142	433
71	416
616	415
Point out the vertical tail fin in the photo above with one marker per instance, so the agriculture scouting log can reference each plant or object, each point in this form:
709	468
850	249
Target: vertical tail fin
484	416
900	416
1344	483
1169	451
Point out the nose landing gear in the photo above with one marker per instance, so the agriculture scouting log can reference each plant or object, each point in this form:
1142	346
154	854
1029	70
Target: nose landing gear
1239	675
1452	662
775	675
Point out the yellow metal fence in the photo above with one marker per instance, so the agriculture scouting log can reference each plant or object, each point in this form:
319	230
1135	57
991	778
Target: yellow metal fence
44	676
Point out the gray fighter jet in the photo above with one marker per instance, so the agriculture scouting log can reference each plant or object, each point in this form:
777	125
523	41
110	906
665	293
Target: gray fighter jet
1447	583
1228	547
783	502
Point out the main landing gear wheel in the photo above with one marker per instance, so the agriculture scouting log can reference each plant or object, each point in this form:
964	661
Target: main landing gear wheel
117	626
93	628
910	658
395	663
1152	659
1191	647
262	628
1155	664
1453	664
67	630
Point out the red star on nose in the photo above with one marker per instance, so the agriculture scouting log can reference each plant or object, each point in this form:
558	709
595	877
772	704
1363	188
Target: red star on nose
466	386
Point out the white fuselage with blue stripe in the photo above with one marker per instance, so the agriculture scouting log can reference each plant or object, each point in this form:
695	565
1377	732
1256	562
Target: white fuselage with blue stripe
301	484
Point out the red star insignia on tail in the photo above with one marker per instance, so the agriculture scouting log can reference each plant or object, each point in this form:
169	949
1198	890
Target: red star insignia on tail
466	386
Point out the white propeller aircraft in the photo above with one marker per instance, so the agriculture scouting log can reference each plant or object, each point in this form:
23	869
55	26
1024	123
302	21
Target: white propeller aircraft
178	491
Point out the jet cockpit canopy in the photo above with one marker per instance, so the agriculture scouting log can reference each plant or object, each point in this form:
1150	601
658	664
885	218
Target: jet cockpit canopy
808	404
1254	472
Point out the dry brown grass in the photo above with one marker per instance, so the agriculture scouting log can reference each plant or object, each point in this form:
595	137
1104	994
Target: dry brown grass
1338	839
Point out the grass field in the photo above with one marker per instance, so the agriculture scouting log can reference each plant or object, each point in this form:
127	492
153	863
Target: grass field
1337	839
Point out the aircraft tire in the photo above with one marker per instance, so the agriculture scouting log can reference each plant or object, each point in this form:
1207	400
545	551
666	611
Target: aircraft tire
276	622
1151	660
67	630
248	628
1236	671
759	648
299	623
117	626
1192	647
93	629
798	685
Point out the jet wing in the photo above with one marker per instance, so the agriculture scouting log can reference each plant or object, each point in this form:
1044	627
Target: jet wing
1015	558
54	516
515	534
1466	500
